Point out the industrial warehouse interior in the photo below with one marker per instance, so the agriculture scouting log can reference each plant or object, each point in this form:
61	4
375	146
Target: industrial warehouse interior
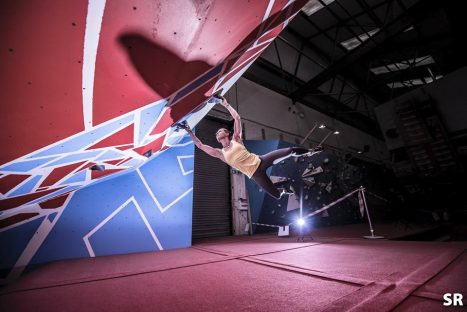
220	155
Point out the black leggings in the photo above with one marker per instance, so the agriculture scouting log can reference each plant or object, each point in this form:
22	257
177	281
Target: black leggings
261	178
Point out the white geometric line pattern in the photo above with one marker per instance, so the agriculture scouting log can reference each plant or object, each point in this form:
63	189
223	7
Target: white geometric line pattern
91	41
35	243
94	19
125	204
179	158
162	209
92	134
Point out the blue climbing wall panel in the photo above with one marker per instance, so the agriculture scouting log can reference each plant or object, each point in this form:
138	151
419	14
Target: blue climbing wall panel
135	211
316	181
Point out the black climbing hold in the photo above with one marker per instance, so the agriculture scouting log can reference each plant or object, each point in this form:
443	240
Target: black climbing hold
97	167
73	24
147	154
181	125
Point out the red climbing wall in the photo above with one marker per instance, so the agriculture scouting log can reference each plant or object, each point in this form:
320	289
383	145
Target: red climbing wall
83	78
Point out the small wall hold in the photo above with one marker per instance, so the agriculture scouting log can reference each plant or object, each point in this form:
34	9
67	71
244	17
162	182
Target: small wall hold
278	179
97	167
147	154
329	187
309	172
310	181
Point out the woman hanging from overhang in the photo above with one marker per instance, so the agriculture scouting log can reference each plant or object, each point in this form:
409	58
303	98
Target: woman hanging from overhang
234	153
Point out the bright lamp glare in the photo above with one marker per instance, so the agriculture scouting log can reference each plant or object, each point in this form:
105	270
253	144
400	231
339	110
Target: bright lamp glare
336	132
300	221
322	126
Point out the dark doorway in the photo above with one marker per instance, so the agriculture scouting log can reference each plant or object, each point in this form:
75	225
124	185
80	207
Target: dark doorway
212	215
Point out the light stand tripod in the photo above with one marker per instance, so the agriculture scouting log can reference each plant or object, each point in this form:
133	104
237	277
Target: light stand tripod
362	201
363	209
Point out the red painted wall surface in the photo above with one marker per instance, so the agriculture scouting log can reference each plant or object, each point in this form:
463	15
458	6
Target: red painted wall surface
56	87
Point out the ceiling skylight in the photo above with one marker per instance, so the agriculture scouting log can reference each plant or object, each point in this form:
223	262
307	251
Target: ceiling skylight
419	61
412	82
314	5
354	42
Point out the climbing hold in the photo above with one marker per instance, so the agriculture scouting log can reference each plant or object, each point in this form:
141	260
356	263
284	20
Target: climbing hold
147	153
97	167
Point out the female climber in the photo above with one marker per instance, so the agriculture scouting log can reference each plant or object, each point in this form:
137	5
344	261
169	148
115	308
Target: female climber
235	154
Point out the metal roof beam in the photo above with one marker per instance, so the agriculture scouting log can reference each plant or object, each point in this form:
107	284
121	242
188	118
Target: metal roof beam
393	28
272	77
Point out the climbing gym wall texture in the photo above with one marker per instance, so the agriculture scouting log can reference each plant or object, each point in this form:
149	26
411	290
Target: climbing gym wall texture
316	181
91	91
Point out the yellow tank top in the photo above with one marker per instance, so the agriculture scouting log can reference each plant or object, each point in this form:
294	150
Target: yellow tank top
238	157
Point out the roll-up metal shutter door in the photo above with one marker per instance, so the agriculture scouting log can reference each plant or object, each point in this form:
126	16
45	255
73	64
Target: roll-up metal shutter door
211	188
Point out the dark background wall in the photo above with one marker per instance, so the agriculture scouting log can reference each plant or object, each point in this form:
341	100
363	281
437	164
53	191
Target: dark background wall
341	174
426	135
